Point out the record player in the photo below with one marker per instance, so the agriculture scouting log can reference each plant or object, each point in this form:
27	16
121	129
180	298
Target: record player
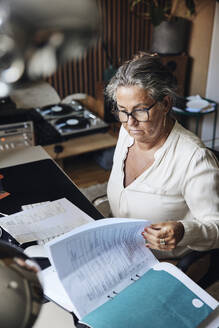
72	119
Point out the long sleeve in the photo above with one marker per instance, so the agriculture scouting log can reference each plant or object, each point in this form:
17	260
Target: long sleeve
201	192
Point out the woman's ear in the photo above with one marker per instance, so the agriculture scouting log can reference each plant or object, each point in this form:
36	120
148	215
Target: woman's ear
167	102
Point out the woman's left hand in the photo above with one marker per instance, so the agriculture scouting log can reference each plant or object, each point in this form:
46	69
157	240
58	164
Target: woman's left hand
164	236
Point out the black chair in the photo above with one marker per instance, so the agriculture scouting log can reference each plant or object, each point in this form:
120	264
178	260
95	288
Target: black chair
212	256
215	152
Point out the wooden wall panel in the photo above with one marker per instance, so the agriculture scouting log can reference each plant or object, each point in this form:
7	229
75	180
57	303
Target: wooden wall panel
123	34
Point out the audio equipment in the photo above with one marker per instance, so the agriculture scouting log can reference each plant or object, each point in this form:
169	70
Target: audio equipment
72	119
16	135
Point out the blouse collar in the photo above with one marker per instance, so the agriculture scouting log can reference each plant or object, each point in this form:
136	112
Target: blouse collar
166	144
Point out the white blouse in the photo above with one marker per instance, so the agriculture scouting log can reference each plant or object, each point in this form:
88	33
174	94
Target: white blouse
182	184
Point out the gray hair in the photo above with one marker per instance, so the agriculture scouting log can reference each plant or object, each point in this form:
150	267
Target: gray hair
147	72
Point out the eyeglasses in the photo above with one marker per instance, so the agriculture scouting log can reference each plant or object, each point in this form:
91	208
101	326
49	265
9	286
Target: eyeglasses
140	115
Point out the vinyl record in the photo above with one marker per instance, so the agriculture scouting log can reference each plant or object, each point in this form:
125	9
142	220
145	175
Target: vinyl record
56	110
71	123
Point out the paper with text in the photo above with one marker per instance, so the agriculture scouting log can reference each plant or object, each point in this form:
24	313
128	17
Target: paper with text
44	222
29	206
99	259
53	288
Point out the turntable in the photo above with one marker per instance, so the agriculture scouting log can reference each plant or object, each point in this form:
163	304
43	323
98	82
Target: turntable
54	111
71	123
58	110
72	119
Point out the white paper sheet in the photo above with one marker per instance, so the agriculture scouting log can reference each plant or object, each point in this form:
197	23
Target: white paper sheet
95	260
44	222
29	206
53	288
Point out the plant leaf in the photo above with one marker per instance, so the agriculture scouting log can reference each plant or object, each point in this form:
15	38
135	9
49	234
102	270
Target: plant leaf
157	15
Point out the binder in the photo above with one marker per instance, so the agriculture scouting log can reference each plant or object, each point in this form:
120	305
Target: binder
112	280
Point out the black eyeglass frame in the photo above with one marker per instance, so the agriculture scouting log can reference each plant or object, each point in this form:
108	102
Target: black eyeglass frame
116	112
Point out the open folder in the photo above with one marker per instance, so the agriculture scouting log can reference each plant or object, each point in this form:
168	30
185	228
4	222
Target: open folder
108	278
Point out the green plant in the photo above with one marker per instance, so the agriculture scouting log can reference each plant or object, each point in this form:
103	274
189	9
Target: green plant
158	10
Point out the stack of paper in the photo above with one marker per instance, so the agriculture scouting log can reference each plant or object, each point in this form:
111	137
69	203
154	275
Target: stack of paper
45	221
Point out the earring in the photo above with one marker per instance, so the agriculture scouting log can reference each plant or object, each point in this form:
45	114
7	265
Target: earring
164	121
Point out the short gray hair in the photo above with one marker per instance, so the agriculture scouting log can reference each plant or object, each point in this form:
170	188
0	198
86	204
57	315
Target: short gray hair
148	72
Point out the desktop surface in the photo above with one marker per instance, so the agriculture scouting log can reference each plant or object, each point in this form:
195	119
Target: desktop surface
40	181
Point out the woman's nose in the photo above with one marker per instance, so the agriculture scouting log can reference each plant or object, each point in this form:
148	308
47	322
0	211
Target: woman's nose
131	120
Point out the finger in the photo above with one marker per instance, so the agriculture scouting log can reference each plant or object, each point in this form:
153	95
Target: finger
164	230
152	231
153	226
163	233
152	239
156	244
157	226
155	241
162	227
160	247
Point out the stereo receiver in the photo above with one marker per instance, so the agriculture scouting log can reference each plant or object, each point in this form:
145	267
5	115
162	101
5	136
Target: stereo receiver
16	135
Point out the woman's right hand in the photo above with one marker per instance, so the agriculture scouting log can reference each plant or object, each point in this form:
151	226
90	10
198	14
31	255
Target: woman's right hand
164	236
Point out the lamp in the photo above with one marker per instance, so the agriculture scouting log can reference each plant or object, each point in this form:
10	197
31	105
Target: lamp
21	292
35	36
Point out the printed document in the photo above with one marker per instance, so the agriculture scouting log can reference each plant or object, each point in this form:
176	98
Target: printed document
44	222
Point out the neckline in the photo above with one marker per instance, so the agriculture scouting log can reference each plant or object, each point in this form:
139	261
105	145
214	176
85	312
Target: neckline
165	144
158	153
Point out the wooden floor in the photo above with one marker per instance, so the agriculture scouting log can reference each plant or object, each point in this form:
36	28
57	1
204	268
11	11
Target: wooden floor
84	170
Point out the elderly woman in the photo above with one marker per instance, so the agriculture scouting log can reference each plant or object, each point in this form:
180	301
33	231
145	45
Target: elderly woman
161	171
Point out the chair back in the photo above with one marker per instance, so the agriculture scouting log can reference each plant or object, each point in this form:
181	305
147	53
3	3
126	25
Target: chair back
215	152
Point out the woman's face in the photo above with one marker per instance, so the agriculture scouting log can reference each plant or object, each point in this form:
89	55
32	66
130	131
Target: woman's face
135	97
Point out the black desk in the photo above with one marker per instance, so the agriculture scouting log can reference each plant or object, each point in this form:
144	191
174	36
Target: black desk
40	181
